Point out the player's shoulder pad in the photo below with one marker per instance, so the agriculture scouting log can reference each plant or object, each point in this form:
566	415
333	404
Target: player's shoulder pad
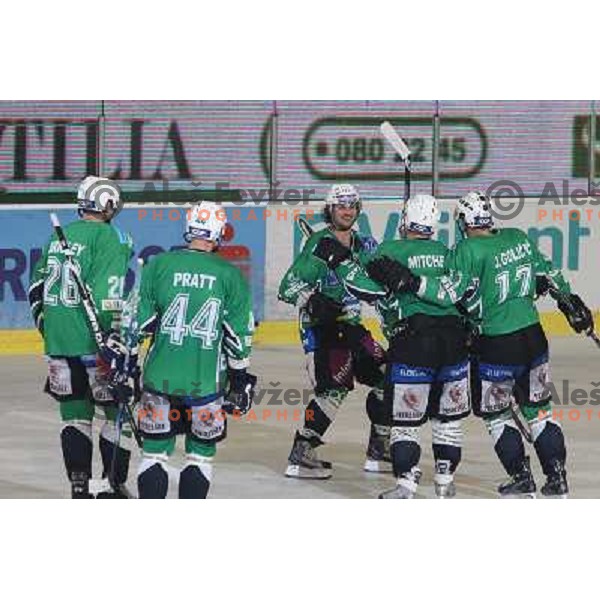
513	231
463	245
226	265
124	237
158	258
321	233
439	244
387	246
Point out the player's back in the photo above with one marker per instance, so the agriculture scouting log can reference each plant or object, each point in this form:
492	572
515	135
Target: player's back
101	252
504	263
192	294
424	257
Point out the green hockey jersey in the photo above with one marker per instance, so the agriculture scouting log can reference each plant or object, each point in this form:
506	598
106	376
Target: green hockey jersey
424	257
494	275
198	308
309	273
101	253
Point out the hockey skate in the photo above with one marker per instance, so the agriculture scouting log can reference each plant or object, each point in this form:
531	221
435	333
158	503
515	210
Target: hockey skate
556	483
443	480
378	450
303	462
405	488
520	485
120	493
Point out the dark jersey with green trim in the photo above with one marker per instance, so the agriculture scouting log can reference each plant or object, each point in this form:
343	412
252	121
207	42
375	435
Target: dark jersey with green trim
199	308
495	276
102	253
309	273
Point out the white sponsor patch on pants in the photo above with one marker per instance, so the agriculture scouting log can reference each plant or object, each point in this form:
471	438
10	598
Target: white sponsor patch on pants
539	378
496	395
454	400
208	421
59	376
410	401
99	386
154	414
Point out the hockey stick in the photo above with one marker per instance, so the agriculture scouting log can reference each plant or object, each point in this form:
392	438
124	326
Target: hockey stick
130	333
398	144
521	424
564	298
86	298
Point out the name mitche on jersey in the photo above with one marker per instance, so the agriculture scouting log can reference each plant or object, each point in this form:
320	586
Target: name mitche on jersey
421	261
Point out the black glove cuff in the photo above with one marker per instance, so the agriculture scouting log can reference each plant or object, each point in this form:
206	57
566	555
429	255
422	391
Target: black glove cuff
237	378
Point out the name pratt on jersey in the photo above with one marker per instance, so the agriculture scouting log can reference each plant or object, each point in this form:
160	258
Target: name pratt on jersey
512	255
195	280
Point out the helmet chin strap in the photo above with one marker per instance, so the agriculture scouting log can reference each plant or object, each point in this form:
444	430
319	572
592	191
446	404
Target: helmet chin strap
462	227
82	213
189	239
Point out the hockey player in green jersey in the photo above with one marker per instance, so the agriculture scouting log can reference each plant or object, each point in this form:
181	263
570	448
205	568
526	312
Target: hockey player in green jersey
427	360
496	272
338	348
77	375
198	309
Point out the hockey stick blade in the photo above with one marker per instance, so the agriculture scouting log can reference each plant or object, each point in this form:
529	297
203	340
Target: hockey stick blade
397	143
594	336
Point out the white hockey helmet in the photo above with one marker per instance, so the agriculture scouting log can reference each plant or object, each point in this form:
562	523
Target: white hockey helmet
341	194
206	221
420	215
99	195
473	211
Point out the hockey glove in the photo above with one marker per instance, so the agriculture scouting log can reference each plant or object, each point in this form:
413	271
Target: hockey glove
542	285
577	313
392	275
121	391
322	309
114	354
333	252
241	392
